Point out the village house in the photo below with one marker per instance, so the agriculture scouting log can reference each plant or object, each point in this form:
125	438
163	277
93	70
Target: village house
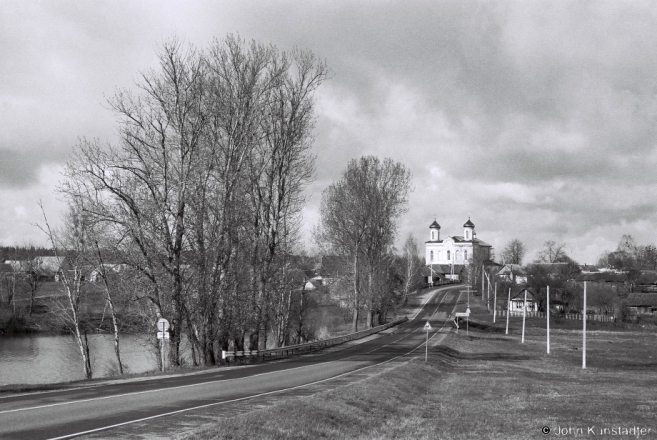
646	282
513	273
641	304
517	303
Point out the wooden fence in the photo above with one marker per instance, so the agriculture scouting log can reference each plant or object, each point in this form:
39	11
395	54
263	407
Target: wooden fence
573	316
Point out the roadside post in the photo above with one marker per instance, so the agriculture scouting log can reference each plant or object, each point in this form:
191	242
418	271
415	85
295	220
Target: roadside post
524	314
508	311
162	334
584	331
427	327
548	318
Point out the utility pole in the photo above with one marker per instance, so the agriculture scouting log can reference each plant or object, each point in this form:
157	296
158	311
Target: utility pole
584	331
524	315
495	304
508	311
548	319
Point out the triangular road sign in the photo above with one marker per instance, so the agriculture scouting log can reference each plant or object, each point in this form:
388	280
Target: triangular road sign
427	327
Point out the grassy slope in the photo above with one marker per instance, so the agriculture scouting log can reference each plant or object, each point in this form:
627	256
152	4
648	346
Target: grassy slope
484	386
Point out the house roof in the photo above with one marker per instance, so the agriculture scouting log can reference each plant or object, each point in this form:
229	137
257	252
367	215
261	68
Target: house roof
48	264
647	277
19	265
5	268
512	268
468	224
602	277
642	299
520	296
434	225
588	268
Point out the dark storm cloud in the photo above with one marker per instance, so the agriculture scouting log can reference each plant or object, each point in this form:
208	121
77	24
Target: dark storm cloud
20	168
536	117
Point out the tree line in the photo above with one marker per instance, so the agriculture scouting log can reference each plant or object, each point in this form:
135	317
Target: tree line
629	258
201	195
193	213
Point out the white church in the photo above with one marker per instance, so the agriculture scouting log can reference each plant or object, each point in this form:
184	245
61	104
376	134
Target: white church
447	258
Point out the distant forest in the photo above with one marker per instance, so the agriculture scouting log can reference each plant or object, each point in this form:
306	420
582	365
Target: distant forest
23	252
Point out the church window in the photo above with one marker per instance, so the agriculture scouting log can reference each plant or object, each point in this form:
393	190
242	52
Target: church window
432	254
433	235
456	255
465	255
448	255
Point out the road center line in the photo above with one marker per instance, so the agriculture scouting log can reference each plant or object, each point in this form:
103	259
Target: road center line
104	428
222	380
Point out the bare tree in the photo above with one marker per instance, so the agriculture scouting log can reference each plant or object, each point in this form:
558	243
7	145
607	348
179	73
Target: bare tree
552	253
412	264
205	183
8	277
358	220
33	278
514	252
70	243
99	263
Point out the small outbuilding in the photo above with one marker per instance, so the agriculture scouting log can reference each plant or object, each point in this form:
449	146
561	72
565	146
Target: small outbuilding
641	303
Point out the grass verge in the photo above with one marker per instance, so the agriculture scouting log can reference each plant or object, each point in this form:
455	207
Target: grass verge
485	386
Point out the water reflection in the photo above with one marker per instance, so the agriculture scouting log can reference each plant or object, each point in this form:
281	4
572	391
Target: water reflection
35	359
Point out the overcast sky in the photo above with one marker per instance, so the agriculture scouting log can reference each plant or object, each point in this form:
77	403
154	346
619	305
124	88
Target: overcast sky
537	119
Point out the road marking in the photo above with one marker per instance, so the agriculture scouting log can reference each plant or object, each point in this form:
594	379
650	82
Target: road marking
104	428
428	299
200	383
224	380
254	396
441	301
164	389
442	326
36	393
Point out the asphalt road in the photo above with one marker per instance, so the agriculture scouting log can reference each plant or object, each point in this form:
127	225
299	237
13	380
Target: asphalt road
101	408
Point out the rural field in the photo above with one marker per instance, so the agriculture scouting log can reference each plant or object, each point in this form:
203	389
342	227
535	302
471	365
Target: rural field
485	385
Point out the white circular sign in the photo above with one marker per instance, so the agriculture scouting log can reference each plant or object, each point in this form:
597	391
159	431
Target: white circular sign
162	325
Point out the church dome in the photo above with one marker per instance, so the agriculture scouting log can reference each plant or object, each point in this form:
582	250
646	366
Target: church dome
469	224
434	225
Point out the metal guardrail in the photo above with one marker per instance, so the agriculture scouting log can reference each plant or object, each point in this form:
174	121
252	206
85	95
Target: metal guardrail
308	346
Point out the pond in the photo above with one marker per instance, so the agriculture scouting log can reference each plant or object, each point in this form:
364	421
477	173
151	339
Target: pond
41	359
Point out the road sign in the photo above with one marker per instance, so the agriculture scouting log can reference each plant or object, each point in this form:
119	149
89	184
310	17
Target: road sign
462	314
163	334
427	327
467	310
162	325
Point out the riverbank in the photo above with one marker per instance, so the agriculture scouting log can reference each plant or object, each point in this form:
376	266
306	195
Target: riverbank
48	360
44	320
